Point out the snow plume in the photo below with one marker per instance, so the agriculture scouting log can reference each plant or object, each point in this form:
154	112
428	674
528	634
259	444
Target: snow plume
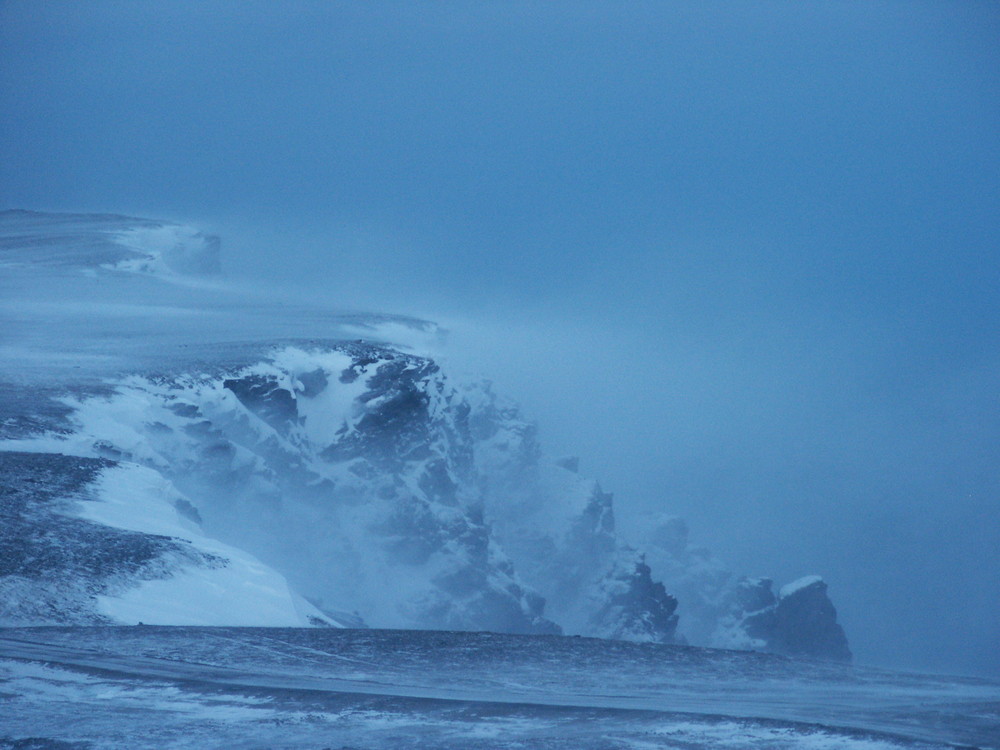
168	250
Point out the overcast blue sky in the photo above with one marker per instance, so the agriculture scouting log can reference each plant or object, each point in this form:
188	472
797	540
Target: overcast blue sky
741	256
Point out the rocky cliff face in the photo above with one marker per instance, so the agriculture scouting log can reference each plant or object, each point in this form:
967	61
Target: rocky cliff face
559	529
382	490
349	466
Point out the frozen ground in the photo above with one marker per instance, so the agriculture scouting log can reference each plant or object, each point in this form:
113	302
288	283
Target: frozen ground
177	687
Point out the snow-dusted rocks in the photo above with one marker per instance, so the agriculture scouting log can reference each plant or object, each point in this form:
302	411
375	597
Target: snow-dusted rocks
698	579
631	606
348	466
380	489
559	529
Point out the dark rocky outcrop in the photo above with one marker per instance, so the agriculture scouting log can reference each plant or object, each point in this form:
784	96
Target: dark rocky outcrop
635	608
265	398
802	621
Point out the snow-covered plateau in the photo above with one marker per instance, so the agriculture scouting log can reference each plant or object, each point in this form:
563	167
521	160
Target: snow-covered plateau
178	451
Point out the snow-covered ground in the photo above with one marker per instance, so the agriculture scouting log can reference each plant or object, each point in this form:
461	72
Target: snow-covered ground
152	687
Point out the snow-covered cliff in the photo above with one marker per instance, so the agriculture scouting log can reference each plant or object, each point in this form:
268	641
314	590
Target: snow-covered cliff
257	472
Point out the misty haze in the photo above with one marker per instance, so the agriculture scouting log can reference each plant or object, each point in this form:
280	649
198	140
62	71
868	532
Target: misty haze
474	375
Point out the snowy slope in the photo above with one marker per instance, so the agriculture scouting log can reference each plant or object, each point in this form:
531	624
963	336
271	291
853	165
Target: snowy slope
92	541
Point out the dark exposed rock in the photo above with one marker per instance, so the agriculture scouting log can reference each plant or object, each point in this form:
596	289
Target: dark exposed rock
184	410
570	463
187	510
802	622
313	383
266	399
352	373
719	609
592	581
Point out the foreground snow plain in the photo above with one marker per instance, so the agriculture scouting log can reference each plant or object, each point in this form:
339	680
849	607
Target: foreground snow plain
177	687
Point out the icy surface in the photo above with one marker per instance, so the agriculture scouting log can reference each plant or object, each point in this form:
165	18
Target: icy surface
795	586
289	688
